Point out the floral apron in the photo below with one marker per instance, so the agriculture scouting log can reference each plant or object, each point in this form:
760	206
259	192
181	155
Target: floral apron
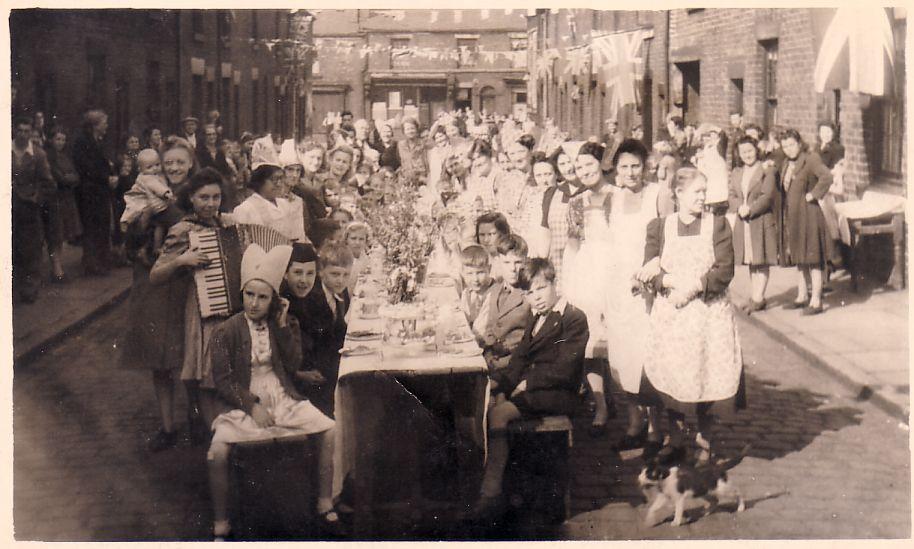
694	354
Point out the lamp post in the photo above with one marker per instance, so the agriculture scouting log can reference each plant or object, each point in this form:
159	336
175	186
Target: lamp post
300	55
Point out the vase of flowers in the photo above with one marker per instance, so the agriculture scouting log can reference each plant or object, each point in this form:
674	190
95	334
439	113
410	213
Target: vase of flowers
406	238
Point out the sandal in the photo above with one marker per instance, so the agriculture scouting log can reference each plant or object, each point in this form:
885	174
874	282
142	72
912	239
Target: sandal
331	523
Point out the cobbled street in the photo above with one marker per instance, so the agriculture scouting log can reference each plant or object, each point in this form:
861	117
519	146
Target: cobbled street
822	464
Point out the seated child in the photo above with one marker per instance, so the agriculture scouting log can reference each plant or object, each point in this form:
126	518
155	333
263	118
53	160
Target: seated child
323	321
325	231
510	312
355	237
477	285
149	191
541	378
253	355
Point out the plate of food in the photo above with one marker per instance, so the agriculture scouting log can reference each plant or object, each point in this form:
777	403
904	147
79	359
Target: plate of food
456	338
358	350
363	335
461	351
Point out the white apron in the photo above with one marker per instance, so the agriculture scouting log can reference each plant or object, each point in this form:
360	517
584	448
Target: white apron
694	353
627	317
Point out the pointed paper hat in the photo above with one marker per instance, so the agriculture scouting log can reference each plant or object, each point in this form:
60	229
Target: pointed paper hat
263	152
288	156
571	148
257	264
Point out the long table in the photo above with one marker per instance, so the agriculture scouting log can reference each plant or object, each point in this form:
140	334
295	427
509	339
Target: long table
410	427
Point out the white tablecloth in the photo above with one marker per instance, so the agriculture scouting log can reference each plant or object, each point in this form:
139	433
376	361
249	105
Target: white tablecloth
872	204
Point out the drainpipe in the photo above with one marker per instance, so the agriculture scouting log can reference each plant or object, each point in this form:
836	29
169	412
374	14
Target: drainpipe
178	58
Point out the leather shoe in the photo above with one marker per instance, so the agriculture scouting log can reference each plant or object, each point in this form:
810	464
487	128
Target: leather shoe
810	310
487	508
797	304
629	442
755	306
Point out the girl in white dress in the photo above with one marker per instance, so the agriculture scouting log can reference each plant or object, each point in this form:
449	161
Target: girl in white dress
253	355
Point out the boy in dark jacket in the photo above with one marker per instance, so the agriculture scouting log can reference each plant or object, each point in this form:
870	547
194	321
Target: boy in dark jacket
323	325
542	376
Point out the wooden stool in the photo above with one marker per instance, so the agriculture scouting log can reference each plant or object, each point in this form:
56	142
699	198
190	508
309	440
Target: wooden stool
274	487
538	477
892	224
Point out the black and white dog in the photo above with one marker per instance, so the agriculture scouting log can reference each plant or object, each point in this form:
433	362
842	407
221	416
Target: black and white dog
681	482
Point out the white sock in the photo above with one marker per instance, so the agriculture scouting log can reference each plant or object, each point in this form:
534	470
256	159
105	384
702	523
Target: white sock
324	505
221	528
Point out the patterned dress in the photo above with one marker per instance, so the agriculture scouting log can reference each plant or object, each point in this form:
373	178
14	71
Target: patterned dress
197	330
694	353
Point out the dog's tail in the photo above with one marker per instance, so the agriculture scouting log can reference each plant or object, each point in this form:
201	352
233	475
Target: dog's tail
730	463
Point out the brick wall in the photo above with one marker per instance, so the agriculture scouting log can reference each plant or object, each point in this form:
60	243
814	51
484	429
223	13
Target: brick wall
51	66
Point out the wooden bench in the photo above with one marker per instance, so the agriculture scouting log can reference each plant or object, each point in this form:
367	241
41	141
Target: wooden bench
538	478
892	224
274	488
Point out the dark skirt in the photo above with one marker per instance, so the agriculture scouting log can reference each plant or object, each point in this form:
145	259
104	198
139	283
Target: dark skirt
154	337
648	395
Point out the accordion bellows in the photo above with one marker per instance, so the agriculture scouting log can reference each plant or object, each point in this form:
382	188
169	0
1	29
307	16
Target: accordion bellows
219	283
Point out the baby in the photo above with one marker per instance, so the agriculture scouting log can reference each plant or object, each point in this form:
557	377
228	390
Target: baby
149	191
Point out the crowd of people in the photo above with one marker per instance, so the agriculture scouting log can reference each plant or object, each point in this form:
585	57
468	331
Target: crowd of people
582	265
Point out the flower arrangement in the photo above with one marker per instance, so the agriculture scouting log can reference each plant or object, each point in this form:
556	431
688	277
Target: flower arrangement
406	237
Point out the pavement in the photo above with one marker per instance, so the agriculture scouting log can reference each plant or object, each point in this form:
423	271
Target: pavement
62	309
861	339
830	455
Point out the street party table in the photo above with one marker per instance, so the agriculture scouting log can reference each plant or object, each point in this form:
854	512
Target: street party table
410	408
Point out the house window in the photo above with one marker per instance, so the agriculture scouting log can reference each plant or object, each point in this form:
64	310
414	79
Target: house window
196	24
225	27
889	113
255	32
196	97
736	95
399	53
770	75
468	49
255	120
153	91
97	78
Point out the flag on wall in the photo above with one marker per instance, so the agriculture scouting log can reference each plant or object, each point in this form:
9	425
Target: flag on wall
617	59
855	49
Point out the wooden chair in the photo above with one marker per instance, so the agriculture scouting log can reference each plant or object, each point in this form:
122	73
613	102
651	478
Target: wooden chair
892	224
539	475
274	485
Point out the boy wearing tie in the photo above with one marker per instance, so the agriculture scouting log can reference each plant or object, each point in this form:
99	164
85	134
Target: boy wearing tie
542	377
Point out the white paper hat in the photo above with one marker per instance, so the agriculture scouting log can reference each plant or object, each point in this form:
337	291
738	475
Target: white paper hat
288	156
257	264
571	148
263	152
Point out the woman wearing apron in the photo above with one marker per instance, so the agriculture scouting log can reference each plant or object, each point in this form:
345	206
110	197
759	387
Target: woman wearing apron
694	361
626	312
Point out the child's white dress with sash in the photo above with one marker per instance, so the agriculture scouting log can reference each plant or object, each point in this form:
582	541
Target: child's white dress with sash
291	417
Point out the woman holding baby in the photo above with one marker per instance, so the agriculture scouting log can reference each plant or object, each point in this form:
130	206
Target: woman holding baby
155	336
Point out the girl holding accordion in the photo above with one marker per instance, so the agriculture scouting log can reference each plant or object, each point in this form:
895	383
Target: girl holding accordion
202	196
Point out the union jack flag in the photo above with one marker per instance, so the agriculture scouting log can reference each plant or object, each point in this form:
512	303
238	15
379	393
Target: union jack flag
617	59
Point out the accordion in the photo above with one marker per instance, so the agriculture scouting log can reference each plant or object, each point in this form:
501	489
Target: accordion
219	283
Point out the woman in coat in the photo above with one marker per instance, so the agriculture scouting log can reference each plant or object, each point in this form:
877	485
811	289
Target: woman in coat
755	235
805	180
97	179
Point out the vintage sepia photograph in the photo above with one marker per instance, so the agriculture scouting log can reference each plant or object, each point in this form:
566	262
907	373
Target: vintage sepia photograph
439	274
